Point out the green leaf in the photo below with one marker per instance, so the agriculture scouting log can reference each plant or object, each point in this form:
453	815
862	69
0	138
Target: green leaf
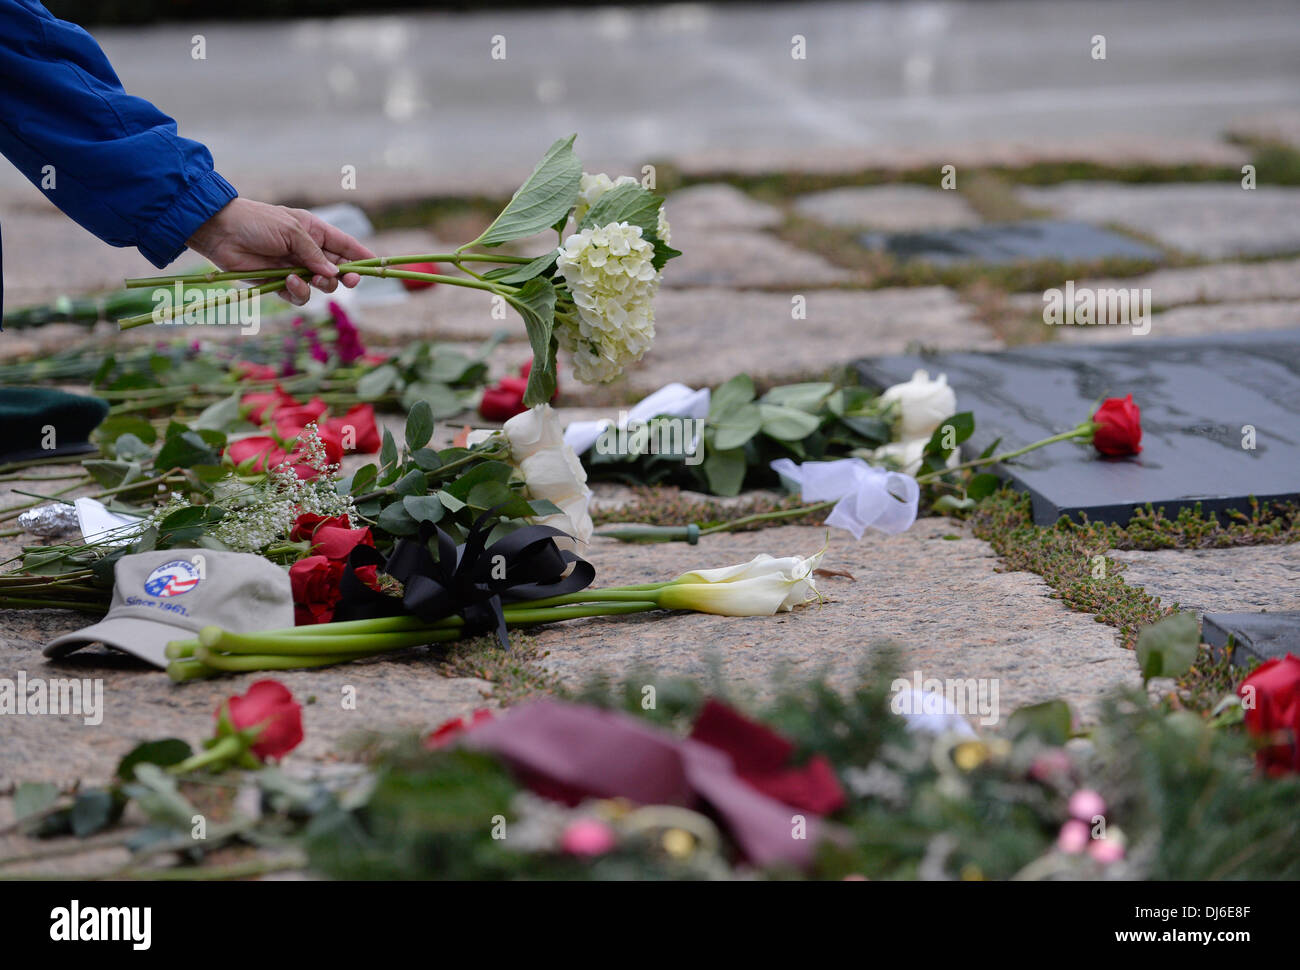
423	508
951	503
395	520
419	425
488	471
628	203
130	448
806	397
111	474
523	272
725	471
117	425
736	426
156	793
387	451
535	302
442	401
1168	647
737	391
961	424
546	196
412	483
450	502
427	459
91	811
1049	721
364	479
34	796
219	416
787	423
485	495
184	449
376	383
982	485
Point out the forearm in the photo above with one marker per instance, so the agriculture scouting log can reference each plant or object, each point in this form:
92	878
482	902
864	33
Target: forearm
114	163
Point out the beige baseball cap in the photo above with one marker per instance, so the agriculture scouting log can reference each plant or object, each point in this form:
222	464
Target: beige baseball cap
172	594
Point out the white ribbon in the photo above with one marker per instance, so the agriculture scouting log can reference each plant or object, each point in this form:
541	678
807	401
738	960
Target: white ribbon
864	496
674	400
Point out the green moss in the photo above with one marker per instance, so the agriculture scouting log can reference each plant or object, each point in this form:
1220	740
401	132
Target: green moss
666	505
515	674
1072	558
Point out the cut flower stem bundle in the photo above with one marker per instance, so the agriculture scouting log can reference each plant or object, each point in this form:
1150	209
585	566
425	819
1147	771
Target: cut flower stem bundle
761	587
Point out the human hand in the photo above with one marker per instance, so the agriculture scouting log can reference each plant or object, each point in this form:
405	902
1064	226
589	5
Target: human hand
248	235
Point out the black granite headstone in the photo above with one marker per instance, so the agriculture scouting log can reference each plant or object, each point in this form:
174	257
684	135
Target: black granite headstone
1009	242
1252	636
1204	402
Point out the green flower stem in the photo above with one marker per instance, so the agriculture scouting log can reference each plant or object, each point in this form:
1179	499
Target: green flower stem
768	517
225	749
402	274
23	603
247	663
216	276
214	641
492	453
140	319
181	671
1082	431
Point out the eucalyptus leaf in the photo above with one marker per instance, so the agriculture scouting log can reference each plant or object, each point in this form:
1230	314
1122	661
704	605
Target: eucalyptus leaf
736	426
1168	647
535	302
423	508
787	423
725	471
376	383
419	425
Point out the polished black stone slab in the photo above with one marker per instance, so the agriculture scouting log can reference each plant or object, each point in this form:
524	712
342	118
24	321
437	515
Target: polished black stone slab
1196	396
1010	242
1253	636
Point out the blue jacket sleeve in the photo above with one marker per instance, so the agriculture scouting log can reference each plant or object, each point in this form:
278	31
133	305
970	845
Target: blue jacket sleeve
112	162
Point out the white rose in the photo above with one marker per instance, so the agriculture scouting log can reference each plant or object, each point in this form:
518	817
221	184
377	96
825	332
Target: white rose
532	431
574	518
555	474
922	404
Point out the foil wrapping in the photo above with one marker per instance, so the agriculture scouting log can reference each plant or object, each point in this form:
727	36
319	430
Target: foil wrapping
48	521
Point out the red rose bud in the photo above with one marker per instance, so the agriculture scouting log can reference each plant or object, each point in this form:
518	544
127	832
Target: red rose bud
1270	697
315	583
269	706
1118	428
259	404
289	419
335	543
356	430
305	526
503	401
414	285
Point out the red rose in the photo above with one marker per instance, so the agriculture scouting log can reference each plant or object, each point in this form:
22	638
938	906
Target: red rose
248	371
315	583
268	703
413	285
503	400
259	404
335	543
1272	692
265	453
364	434
1119	427
289	419
305	526
370	576
447	730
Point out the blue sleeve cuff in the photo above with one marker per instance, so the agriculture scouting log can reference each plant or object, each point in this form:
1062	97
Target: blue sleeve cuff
163	241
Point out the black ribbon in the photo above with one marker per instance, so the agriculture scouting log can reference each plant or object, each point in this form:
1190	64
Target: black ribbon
473	580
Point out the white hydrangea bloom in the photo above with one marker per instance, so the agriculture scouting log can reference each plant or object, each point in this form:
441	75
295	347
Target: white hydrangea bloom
611	275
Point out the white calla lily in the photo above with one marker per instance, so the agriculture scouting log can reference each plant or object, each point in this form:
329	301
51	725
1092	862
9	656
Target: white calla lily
761	587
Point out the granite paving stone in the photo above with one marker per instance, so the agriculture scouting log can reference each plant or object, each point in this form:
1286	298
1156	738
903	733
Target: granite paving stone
1237	580
718	206
1011	242
741	258
1277	279
893	207
1214	220
940	600
710	335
